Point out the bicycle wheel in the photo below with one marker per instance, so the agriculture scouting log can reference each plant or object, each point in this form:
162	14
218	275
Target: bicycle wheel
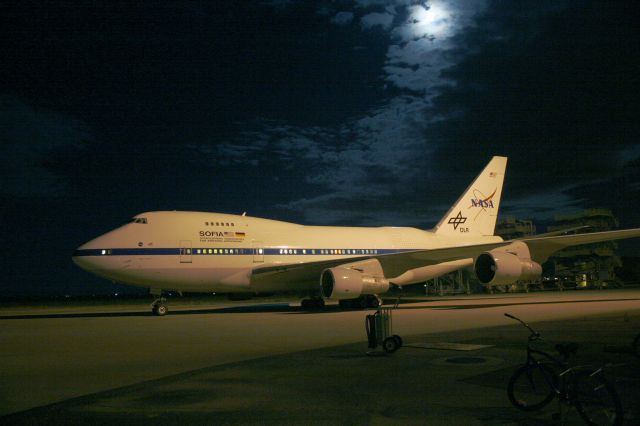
532	387
596	399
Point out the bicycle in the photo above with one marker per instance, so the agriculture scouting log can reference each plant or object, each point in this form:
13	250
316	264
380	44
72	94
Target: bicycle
537	382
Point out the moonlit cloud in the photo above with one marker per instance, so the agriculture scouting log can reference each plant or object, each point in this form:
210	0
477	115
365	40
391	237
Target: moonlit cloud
383	158
431	20
425	44
386	154
371	159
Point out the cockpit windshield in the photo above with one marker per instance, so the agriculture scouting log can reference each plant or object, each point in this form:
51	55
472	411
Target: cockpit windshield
136	220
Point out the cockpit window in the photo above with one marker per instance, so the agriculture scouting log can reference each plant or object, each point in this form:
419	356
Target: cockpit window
137	220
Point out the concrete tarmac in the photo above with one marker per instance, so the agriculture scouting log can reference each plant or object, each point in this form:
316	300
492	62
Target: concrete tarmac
274	363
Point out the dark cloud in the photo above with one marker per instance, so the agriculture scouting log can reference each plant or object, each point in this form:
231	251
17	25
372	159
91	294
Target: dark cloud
28	136
189	74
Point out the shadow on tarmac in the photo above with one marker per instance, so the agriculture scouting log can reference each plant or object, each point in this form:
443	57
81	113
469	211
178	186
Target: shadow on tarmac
231	309
286	308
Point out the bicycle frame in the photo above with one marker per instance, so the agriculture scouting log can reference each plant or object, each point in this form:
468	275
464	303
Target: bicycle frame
545	377
560	363
561	388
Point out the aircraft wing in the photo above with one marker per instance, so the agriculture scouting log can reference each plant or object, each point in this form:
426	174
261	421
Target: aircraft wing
443	260
564	231
393	264
543	247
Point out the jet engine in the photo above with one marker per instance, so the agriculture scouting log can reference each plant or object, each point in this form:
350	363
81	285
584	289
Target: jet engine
353	280
506	265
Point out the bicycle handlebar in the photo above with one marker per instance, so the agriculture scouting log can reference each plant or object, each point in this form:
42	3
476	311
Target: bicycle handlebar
534	334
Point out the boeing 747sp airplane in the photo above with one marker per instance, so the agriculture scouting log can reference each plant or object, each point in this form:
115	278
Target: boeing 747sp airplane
216	252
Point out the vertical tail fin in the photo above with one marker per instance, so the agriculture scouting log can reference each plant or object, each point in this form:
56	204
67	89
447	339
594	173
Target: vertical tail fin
476	211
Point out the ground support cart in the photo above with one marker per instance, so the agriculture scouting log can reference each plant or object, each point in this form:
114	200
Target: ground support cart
379	331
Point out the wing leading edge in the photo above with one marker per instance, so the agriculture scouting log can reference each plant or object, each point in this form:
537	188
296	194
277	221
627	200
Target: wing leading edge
543	247
407	265
421	265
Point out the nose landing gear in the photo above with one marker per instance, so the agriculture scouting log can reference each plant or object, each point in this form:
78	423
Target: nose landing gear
158	307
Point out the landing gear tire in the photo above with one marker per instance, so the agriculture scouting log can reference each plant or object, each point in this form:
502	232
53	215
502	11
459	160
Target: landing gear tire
159	310
398	340
345	303
360	303
391	344
350	304
373	301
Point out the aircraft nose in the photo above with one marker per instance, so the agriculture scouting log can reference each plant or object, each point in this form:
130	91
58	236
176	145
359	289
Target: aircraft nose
86	256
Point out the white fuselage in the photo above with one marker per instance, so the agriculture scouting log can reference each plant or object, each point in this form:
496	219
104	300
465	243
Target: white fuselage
204	252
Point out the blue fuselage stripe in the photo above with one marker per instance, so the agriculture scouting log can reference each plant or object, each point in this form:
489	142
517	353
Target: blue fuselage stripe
228	251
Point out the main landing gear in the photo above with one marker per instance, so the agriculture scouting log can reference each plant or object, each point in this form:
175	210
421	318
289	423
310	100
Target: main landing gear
158	307
312	303
362	302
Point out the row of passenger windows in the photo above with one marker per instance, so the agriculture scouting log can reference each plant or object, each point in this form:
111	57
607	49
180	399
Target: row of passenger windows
219	224
292	251
328	251
217	251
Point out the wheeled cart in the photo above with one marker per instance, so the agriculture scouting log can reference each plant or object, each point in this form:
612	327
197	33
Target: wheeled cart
379	331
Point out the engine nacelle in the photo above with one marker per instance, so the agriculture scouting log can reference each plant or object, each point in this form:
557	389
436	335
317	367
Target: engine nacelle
353	280
506	265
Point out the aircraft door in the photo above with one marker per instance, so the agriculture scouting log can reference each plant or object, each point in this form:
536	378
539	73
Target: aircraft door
185	251
258	251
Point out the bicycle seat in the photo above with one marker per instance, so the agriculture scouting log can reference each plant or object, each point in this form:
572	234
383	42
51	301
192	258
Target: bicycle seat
567	349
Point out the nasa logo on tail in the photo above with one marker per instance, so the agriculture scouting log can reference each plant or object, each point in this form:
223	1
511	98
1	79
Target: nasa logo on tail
481	201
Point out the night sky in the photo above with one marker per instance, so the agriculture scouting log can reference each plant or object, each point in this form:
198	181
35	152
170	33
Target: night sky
360	112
